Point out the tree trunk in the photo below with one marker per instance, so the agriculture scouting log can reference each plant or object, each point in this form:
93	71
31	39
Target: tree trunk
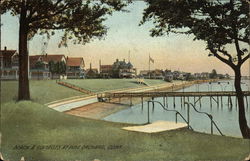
23	88
245	131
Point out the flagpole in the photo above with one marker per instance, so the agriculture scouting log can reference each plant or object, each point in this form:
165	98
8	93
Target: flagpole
149	65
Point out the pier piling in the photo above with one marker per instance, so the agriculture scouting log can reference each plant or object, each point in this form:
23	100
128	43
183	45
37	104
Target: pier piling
142	103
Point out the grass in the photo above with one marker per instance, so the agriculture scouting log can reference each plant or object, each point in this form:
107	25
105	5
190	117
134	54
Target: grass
29	123
45	91
99	85
41	91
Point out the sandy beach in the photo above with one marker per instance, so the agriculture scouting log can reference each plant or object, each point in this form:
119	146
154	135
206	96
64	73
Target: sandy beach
100	110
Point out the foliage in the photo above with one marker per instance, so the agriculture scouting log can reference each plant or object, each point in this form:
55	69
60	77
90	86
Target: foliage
52	67
213	74
80	20
57	68
39	65
218	23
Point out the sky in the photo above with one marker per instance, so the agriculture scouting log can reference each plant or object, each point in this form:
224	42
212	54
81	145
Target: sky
124	36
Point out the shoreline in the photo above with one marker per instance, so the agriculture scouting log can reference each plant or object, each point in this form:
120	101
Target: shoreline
100	110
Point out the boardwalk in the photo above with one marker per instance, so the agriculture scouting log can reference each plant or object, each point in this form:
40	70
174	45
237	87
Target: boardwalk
184	96
169	94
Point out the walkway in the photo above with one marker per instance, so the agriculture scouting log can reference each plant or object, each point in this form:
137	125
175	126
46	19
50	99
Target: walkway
155	127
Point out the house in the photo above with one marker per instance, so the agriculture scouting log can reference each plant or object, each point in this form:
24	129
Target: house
106	71
205	75
9	64
75	67
39	66
121	69
91	72
157	74
176	75
197	75
144	73
128	71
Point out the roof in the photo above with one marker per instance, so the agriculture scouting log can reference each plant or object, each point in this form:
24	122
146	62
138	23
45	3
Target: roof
45	58
93	70
106	67
55	58
8	53
74	61
33	59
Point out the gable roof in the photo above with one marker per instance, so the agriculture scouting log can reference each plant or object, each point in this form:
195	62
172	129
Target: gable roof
74	61
7	53
33	59
55	58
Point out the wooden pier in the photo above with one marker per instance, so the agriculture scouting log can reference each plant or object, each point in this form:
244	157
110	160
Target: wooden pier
169	94
215	96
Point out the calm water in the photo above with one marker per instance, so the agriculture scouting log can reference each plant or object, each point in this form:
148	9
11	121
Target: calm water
225	118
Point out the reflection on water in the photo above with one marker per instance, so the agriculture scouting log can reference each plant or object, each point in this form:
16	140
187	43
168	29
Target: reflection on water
226	118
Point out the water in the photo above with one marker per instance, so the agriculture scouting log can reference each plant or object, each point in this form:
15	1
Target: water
226	118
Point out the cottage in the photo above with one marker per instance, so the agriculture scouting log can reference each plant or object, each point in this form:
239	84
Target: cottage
106	71
75	67
121	69
8	64
91	72
144	73
157	74
40	66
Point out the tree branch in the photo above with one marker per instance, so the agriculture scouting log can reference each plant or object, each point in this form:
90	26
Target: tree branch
245	58
226	53
39	17
228	62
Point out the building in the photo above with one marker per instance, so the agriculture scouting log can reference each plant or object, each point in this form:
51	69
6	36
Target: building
75	67
40	68
144	73
128	71
204	75
121	69
157	74
9	64
91	72
106	71
176	75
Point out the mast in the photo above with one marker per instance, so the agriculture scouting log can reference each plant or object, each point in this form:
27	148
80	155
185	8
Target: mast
149	65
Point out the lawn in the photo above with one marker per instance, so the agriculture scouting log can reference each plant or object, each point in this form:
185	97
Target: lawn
42	91
100	85
49	135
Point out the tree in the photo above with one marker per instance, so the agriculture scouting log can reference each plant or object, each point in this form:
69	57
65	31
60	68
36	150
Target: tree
52	68
61	67
220	24
213	74
80	20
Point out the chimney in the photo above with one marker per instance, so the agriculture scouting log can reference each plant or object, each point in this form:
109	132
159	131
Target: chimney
67	57
100	63
123	60
117	60
5	48
90	66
